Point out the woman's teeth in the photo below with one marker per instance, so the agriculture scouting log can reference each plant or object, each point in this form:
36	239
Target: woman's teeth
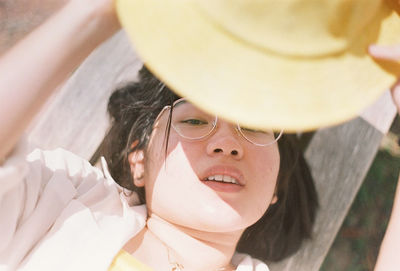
222	178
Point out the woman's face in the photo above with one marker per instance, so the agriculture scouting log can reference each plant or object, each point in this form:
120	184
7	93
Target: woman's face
175	186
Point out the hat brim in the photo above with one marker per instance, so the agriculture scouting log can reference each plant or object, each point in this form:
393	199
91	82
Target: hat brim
229	77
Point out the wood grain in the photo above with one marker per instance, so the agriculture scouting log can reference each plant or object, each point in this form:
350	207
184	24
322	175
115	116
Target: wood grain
339	158
381	113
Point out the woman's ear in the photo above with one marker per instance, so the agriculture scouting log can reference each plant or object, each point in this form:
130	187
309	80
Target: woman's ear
136	164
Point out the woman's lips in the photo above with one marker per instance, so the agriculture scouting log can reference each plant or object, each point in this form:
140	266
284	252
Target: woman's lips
224	170
223	187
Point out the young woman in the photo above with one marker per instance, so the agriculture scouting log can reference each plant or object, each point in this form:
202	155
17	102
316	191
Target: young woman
59	212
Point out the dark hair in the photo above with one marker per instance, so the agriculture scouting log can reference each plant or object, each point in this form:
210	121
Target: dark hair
279	233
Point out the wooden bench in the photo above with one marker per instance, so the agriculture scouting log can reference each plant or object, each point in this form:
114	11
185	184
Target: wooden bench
339	157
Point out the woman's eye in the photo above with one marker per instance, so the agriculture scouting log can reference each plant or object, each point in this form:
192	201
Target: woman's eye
194	122
253	130
250	130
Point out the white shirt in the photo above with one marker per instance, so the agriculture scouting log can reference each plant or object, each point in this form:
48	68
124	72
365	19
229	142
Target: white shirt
58	212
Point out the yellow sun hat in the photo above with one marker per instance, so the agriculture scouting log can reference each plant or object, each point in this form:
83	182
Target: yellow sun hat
292	64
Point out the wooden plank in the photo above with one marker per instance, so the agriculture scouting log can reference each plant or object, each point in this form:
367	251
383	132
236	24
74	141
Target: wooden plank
382	113
339	158
75	118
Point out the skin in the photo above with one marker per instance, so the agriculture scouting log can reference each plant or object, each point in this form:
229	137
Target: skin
208	223
203	238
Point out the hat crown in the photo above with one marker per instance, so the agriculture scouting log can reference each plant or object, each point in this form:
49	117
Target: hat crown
301	28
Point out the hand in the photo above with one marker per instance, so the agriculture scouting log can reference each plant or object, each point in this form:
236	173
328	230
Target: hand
390	53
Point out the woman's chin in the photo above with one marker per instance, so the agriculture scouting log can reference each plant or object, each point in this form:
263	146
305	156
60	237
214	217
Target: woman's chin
217	222
214	214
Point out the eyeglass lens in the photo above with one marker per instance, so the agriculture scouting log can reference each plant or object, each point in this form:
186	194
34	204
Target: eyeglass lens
193	123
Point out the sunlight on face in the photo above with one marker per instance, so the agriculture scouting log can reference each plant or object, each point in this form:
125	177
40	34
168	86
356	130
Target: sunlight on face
175	192
179	196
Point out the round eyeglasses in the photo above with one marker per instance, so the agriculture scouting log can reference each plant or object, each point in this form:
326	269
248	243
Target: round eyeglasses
192	123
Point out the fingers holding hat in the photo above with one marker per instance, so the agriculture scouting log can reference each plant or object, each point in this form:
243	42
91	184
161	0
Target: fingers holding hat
389	52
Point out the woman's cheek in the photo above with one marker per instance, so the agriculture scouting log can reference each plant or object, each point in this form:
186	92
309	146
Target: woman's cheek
267	170
179	197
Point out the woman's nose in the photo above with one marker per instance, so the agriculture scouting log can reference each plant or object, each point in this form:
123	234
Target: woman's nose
225	142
